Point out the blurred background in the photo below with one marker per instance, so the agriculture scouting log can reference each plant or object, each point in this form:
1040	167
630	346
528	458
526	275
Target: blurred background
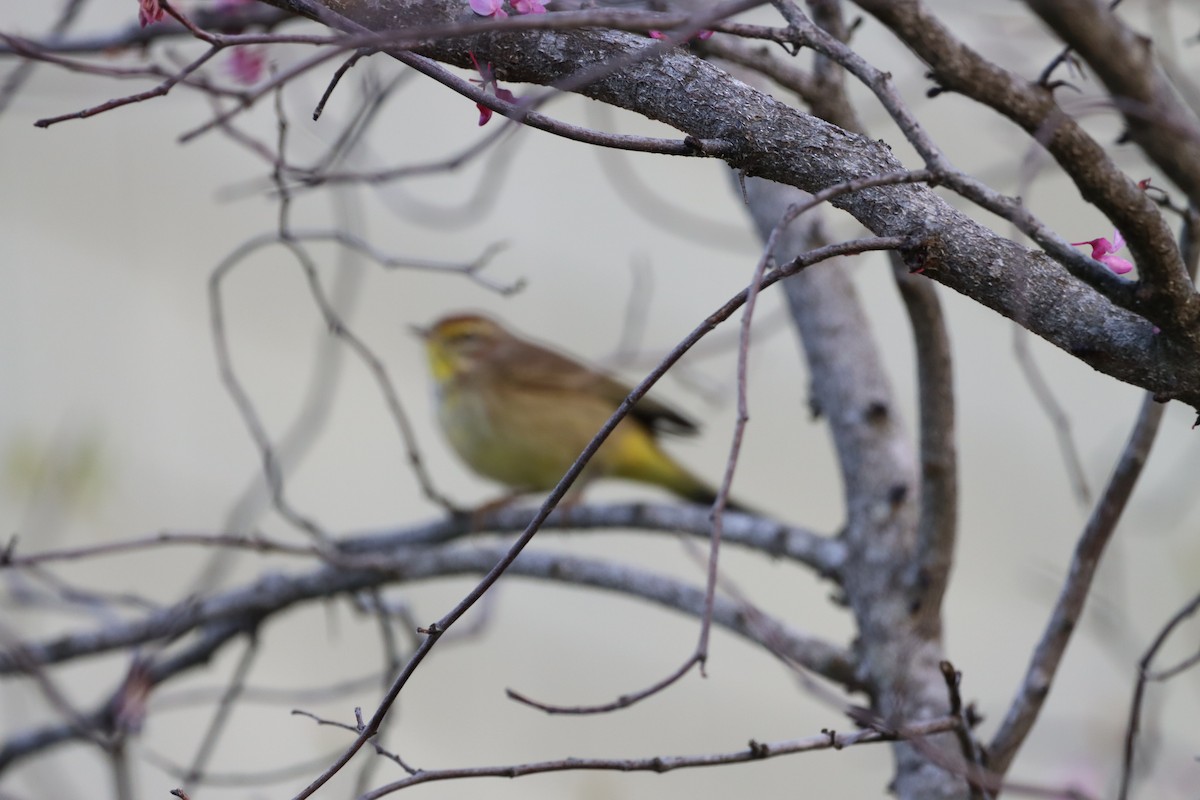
114	424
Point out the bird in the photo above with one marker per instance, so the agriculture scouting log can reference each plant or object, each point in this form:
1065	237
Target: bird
520	413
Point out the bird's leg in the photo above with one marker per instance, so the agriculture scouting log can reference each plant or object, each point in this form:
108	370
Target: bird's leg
480	513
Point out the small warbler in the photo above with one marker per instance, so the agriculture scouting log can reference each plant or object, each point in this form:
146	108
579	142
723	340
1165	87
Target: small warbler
520	414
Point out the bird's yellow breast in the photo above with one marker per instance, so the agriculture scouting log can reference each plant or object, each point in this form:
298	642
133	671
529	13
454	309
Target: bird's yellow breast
521	414
527	438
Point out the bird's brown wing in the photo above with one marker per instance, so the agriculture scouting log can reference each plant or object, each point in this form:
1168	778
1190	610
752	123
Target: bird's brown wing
543	368
653	413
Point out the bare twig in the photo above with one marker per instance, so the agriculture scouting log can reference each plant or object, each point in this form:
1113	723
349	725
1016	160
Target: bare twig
937	525
660	207
756	751
976	770
221	713
959	68
1139	692
436	629
16	79
823	554
1064	619
375	365
239	780
625	700
1156	119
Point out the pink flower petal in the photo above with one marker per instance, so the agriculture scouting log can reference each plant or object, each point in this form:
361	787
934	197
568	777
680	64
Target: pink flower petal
488	8
529	6
247	62
1103	249
487	81
1116	264
149	11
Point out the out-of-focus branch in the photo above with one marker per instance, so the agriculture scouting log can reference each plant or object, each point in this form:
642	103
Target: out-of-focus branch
770	537
826	740
977	263
850	389
938	524
764	137
762	60
97	725
958	68
16	79
1139	692
830	100
1064	620
938	517
223	615
1166	130
231	20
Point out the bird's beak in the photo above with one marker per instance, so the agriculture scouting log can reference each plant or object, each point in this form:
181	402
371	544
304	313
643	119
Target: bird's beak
421	333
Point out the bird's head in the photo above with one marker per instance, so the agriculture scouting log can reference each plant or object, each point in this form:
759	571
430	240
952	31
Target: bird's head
457	345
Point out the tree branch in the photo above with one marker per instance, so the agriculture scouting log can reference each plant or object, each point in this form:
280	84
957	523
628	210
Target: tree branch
1067	611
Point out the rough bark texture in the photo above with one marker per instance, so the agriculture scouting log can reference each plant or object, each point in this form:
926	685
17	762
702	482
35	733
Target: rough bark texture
898	658
770	139
893	558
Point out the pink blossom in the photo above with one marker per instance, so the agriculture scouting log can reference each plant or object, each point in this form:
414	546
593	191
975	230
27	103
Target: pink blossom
487	81
247	62
1103	250
529	6
489	8
149	11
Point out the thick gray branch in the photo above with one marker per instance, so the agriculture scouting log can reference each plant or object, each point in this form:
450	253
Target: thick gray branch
1124	60
958	68
274	593
773	140
899	657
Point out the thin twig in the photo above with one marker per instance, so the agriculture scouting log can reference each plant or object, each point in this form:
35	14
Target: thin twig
217	619
408	436
824	554
976	771
756	751
1064	619
222	711
16	79
1139	692
346	66
625	700
435	630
